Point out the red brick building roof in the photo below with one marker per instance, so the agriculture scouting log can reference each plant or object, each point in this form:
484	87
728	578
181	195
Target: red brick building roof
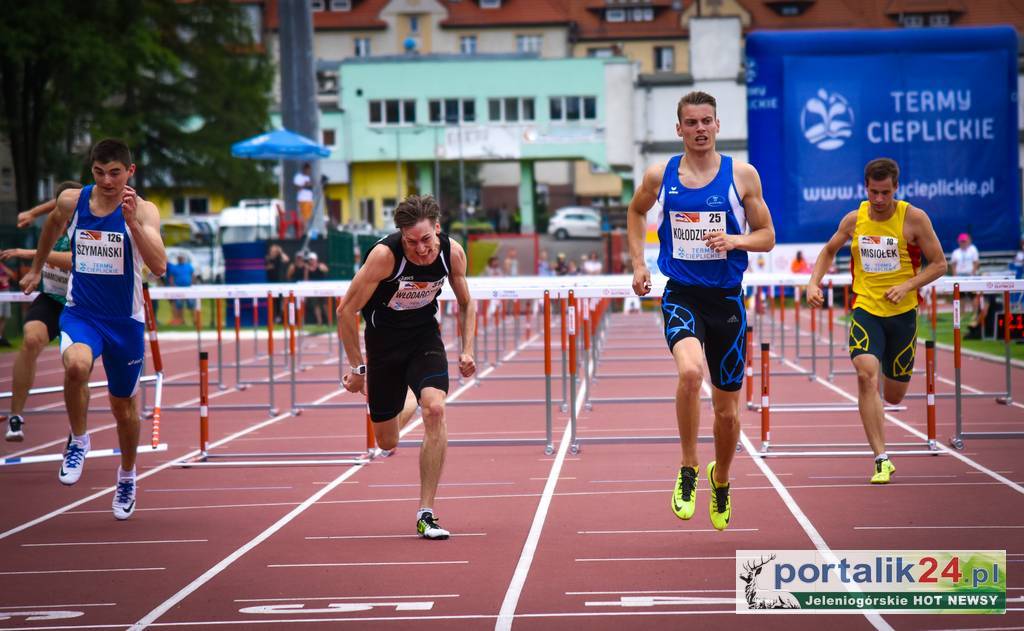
365	15
591	24
468	13
883	13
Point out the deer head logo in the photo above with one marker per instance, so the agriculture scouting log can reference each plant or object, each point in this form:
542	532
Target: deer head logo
763	600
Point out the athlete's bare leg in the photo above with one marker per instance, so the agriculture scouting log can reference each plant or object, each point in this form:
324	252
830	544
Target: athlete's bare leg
872	414
77	368
689	357
435	443
35	339
126	413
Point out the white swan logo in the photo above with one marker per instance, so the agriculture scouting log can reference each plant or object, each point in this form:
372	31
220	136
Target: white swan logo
827	120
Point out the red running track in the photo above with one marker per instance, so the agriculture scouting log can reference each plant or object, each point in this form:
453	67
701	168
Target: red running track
539	542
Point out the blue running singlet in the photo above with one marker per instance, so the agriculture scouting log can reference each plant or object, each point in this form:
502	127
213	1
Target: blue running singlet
106	267
687	216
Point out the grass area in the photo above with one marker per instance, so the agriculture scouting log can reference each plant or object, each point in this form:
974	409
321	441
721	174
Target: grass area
944	335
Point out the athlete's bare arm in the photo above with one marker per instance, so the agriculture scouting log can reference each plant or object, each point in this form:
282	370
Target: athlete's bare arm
828	254
379	264
918	230
467	309
26	217
52	229
56	259
645	196
761	237
142	219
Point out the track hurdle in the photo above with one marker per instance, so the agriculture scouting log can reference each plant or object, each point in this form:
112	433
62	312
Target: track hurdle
207	457
825	449
984	286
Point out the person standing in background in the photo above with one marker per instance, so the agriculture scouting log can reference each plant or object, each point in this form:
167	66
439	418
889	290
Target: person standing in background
304	183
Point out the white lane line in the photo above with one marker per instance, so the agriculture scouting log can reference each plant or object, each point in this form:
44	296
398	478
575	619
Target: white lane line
935	527
221	488
209	574
170	508
367	564
59	441
302	598
615	559
675	531
968	461
326	537
656	591
515	587
396	486
155	470
861	477
59	606
111	543
104	569
873	617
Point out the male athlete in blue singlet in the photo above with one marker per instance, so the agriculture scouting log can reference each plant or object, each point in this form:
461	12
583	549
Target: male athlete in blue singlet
708	203
113	233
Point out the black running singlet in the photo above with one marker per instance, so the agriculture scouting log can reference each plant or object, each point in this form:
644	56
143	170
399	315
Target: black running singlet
407	298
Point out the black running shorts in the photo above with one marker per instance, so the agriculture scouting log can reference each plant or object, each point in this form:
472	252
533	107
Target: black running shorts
397	359
46	310
892	339
716	317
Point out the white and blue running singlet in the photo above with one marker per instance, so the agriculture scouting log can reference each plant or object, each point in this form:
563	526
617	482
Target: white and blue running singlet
688	214
105	308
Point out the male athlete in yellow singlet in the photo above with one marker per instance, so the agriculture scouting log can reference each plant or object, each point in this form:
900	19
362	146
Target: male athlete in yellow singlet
888	238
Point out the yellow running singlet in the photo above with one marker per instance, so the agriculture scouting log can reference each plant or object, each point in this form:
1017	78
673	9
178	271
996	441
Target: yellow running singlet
881	260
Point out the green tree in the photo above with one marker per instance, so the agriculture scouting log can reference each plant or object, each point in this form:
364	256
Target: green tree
178	81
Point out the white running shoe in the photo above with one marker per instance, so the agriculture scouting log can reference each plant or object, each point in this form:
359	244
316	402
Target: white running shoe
74	460
124	499
15	434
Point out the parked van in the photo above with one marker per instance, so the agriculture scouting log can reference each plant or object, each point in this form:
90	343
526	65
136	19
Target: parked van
251	220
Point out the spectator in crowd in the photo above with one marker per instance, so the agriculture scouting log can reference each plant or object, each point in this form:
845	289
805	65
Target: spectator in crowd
511	263
965	261
504	219
297	270
315	270
180	274
592	265
800	264
571	269
561	265
493	267
544	265
276	264
304	197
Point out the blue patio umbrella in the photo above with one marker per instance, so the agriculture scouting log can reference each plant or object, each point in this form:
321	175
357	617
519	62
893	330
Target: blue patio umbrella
279	144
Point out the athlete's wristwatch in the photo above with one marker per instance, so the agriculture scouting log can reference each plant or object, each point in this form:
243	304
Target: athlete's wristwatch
358	370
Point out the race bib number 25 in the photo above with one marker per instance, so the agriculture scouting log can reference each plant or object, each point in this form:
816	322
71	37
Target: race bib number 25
688	232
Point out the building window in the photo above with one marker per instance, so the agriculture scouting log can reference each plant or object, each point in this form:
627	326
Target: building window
600	52
191	205
366	214
341	5
467	44
414	24
253	19
573	108
490	4
510	109
664	58
641	14
938	19
452	111
528	43
615	15
912	20
393	112
327	83
328	137
318	5
362	46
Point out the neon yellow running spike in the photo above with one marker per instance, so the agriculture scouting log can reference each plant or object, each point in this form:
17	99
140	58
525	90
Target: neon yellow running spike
883	469
684	495
721	504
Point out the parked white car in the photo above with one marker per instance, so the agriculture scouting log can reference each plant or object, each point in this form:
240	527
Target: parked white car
580	222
